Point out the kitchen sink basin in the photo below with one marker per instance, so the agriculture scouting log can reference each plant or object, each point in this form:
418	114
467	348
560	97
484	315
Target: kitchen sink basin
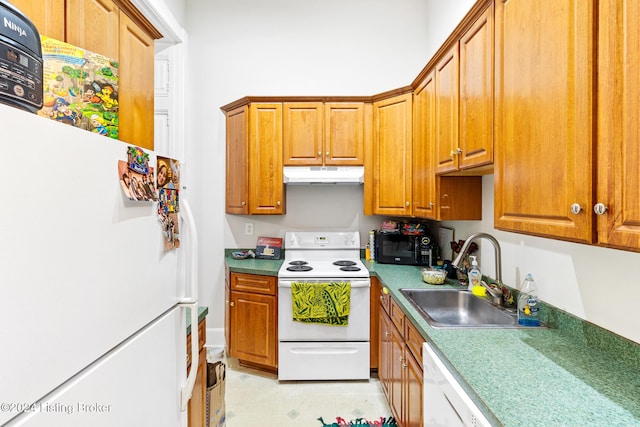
451	308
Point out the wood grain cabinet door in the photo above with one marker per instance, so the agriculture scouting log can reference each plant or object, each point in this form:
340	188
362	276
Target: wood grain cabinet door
413	379
253	326
302	136
618	164
237	162
423	170
46	15
136	84
384	355
344	133
446	79
544	125
476	94
94	25
266	188
392	155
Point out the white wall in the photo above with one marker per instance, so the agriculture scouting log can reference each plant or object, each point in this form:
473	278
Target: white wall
359	47
286	47
177	9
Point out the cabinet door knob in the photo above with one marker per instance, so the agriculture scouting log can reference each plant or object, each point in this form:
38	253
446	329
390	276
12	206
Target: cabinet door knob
452	153
406	204
327	154
232	304
244	203
430	204
576	208
404	365
600	208
319	153
278	203
458	150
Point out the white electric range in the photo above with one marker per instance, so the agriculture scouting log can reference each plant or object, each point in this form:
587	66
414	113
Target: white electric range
318	351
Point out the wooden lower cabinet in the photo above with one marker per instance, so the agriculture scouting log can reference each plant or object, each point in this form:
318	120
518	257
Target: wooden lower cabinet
400	363
196	411
252	317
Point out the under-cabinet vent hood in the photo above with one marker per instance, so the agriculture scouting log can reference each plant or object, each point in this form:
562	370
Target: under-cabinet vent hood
323	175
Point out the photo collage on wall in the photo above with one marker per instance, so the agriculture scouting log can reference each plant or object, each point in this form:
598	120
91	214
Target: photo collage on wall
168	182
136	176
80	88
139	183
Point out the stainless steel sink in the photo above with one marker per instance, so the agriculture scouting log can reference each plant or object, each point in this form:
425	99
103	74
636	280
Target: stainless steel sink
451	308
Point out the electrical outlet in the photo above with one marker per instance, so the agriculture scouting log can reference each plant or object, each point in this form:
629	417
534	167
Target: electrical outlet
248	228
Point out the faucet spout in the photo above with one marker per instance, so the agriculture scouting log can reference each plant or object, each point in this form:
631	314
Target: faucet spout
496	246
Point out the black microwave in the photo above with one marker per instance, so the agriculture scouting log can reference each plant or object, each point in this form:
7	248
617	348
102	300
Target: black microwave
395	248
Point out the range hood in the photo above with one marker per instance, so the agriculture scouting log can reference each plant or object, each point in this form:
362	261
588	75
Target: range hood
323	175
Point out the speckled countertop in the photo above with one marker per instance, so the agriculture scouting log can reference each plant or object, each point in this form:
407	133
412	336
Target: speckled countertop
574	374
202	312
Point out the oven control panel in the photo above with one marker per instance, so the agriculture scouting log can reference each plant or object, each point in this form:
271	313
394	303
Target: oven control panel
322	240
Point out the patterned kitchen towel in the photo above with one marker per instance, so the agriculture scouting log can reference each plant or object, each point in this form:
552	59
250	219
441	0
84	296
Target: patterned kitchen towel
324	302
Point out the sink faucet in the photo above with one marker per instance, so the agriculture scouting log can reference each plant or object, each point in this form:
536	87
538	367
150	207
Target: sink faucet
496	246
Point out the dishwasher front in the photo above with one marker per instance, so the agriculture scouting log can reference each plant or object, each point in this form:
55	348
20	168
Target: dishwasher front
445	402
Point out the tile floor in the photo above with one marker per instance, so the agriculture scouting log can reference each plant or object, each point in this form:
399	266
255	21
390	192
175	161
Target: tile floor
254	398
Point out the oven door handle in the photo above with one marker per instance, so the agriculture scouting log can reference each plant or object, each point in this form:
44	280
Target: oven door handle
362	283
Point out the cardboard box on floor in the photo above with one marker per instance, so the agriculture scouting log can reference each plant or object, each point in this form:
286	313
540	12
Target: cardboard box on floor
216	373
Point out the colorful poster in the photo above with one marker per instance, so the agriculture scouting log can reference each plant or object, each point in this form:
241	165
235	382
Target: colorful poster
80	88
168	183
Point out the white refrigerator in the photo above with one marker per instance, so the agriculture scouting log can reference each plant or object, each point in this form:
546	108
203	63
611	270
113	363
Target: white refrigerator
92	307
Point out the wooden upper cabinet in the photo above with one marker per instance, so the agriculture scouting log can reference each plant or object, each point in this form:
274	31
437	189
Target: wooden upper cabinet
392	155
423	170
266	188
329	134
135	84
446	84
303	139
45	15
476	94
237	159
544	125
618	162
95	26
117	30
344	133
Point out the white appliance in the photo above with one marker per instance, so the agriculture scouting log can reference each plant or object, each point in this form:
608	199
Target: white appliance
323	175
445	401
318	351
92	308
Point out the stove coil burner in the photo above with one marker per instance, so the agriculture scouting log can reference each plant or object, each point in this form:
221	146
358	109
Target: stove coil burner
300	268
298	262
349	268
345	263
